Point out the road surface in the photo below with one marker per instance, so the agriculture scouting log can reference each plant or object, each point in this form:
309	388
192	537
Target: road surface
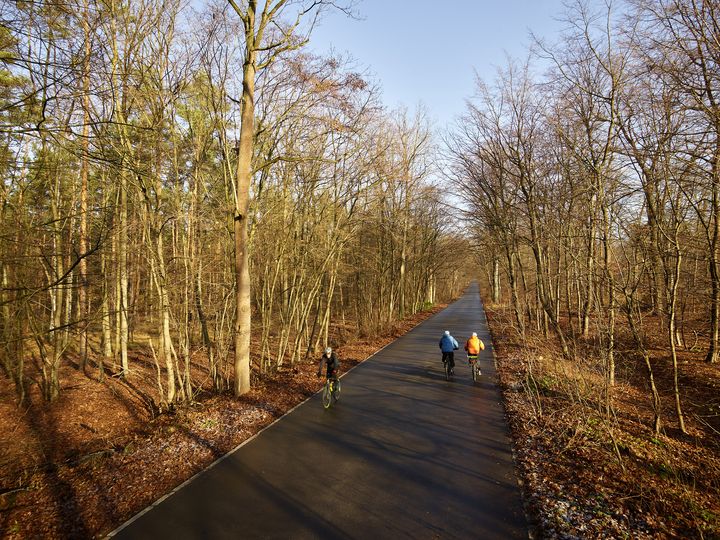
403	454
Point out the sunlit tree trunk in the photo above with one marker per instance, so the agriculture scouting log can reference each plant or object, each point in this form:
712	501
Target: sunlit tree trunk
83	305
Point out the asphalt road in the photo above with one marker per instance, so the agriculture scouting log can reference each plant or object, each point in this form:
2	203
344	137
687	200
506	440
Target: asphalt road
403	454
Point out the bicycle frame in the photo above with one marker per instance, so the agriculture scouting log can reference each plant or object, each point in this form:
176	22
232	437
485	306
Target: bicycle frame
331	391
474	366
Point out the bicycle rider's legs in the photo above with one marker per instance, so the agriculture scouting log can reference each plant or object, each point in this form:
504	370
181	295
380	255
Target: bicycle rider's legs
450	358
332	374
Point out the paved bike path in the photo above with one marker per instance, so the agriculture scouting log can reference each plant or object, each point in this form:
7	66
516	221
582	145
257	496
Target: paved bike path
403	454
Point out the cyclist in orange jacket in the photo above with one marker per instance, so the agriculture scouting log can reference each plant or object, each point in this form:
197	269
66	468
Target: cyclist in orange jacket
473	346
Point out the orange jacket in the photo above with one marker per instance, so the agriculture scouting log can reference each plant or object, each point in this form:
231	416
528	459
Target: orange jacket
474	345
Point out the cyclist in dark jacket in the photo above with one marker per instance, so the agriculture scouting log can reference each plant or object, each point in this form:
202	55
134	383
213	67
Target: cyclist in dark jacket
448	345
329	358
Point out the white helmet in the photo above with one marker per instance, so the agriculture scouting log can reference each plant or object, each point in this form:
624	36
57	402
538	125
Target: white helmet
447	332
328	350
474	334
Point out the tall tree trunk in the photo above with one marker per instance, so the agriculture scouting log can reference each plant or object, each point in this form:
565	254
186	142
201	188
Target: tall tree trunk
611	298
83	305
590	267
713	351
58	301
168	349
243	178
119	92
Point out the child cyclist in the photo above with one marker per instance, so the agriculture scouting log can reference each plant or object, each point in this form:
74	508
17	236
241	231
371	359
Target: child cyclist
473	346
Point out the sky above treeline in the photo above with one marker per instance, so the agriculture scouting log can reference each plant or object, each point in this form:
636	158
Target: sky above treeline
428	51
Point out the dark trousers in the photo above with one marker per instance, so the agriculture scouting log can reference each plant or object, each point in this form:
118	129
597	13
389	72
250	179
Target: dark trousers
449	357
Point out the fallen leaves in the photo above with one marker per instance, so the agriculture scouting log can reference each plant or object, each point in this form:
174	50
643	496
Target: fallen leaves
585	475
82	466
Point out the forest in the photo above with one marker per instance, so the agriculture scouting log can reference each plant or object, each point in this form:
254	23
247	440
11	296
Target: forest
598	186
194	206
140	206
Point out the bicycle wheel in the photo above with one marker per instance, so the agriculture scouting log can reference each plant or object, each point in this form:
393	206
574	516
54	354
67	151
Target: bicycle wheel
473	366
336	391
447	371
327	395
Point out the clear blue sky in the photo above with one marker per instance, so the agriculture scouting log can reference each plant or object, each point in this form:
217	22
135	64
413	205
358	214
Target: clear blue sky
427	51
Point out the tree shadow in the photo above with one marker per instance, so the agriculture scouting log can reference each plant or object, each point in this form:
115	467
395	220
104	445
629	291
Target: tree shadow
64	496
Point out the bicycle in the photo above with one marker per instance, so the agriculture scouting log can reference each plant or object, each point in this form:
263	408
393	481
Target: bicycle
474	366
331	392
448	370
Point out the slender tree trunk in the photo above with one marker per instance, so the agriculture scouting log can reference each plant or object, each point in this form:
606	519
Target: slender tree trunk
590	266
83	305
243	178
611	299
122	224
123	275
515	298
713	351
496	281
57	302
117	302
167	348
106	323
671	335
324	335
430	291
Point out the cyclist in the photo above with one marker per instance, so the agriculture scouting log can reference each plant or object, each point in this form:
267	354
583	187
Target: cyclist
448	345
329	358
473	346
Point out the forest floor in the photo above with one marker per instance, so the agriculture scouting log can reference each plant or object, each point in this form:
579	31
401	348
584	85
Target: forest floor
85	464
593	471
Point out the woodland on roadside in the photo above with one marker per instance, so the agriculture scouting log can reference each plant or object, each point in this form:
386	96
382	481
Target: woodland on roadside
193	206
161	160
596	199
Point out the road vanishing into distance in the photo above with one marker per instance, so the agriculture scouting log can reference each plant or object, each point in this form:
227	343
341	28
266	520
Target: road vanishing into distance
403	454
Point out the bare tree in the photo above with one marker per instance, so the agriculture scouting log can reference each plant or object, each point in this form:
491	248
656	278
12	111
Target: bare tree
680	42
262	48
